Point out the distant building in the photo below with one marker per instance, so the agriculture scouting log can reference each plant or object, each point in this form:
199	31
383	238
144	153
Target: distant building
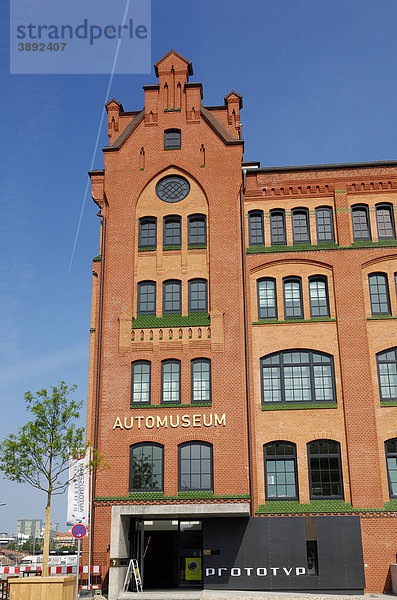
28	528
63	539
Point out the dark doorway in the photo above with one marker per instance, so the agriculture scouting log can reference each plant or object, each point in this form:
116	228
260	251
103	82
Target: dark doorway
161	559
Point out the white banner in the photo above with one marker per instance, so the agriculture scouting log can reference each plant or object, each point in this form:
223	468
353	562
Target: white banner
78	491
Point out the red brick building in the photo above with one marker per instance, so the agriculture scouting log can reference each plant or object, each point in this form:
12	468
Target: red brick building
243	361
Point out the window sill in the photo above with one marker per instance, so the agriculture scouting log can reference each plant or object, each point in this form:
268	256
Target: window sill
199	319
171	405
291	248
146	248
388	402
172	110
172	247
298	405
380	317
172	147
196	246
319	246
319	506
276	321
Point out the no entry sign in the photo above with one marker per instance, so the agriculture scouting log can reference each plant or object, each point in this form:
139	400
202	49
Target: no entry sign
79	531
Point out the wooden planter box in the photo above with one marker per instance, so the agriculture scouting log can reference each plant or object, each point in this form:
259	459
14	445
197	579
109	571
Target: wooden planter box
61	587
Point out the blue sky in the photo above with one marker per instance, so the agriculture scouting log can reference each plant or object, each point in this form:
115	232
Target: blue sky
318	78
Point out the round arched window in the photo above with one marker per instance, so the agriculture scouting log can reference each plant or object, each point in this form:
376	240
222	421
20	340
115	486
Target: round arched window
172	188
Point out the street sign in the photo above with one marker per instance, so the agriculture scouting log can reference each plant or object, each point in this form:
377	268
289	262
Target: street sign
79	531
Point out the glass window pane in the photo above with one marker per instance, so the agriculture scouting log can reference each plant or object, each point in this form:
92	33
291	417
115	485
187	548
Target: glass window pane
385	222
198	295
379	294
172	297
147	232
300	226
267	305
277	227
195	466
293	308
324	224
360	219
197	229
172	231
318	294
255	228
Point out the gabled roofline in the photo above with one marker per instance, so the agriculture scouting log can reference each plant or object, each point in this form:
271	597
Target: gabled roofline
123	137
189	64
239	96
218	128
115	101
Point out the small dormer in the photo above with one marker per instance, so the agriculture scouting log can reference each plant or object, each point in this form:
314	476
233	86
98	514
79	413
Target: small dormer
173	71
234	103
113	107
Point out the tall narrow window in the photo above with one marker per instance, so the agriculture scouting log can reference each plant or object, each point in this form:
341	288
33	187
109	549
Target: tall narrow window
147	298
385	221
146	467
172	231
147	232
198	295
171	381
297	376
201	380
391	462
255	228
379	294
267	301
197	233
172	296
360	218
325	472
387	374
324	224
293	304
280	471
140	382
195	466
172	139
318	294
300	226
277	227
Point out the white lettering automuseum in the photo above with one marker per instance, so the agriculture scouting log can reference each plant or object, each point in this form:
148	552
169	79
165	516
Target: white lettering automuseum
255	571
173	421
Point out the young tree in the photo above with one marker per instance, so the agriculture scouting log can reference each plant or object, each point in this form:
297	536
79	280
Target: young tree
39	453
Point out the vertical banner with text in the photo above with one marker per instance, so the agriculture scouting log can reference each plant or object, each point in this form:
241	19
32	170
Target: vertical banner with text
78	491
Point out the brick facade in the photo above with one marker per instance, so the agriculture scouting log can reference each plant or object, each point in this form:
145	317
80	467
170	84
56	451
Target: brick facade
232	336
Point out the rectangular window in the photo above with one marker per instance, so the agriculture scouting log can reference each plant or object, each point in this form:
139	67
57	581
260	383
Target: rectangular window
172	231
324	224
277	227
171	382
147	298
318	294
385	222
201	381
293	305
300	226
379	294
360	217
147	232
172	297
197	230
267	302
140	382
198	295
255	228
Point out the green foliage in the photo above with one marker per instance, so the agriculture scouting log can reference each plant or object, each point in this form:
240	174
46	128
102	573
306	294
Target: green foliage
39	453
195	319
297	405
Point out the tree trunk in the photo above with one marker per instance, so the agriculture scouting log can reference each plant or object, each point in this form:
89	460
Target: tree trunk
46	548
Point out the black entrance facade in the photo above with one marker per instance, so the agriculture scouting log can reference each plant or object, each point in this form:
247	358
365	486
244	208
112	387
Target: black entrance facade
169	551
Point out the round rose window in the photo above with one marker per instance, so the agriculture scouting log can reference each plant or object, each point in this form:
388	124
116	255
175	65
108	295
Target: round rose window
173	188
